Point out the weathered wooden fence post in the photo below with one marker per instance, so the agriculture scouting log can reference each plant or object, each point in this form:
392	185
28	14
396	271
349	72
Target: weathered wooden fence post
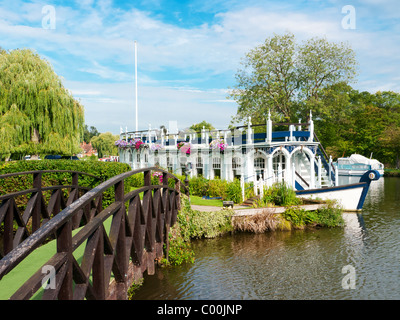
64	245
121	253
37	184
139	233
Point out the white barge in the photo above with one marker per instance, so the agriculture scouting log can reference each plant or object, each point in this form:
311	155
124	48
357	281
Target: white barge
252	153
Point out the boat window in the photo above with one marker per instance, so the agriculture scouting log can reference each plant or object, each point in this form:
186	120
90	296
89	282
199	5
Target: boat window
279	158
199	162
236	163
259	163
216	163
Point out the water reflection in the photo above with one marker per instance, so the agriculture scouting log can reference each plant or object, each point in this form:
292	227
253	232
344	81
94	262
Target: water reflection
298	264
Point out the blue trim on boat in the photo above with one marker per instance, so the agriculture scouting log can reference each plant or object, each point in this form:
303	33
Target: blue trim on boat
367	178
330	189
298	186
364	183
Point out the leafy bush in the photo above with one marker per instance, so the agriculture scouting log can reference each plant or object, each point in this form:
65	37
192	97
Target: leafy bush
180	251
330	215
198	186
103	170
280	195
197	224
192	224
217	188
231	191
296	216
234	191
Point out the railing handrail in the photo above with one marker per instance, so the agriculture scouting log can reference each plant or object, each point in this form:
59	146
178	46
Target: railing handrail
14	257
302	179
325	156
35	189
223	130
7	175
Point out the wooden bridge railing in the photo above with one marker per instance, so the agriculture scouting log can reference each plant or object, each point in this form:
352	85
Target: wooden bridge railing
37	210
119	242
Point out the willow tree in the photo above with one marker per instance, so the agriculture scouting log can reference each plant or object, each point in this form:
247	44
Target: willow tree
104	143
38	115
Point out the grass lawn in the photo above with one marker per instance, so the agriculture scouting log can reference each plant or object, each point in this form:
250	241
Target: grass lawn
196	200
12	281
203	202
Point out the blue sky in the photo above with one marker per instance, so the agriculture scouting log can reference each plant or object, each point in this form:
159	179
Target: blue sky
188	51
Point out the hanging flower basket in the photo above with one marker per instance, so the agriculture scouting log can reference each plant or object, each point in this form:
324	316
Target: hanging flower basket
122	144
184	147
218	144
136	143
156	147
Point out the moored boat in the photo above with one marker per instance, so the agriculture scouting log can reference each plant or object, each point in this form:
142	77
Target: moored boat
257	155
357	165
350	197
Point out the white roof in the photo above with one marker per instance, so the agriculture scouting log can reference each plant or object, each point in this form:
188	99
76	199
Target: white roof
358	158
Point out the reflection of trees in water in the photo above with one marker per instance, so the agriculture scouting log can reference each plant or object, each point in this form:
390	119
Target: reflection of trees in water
297	264
253	244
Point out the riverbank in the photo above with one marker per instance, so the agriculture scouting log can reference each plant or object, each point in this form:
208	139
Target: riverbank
391	173
207	222
197	222
295	265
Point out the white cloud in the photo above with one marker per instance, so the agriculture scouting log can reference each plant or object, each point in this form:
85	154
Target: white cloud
96	39
111	105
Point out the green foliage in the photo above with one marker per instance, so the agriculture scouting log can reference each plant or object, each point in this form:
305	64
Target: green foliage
197	224
229	191
280	195
38	115
234	191
289	78
134	287
296	216
329	215
89	134
105	144
362	123
199	126
180	251
217	188
198	186
103	170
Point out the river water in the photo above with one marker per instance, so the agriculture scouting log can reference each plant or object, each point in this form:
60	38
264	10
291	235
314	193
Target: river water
359	261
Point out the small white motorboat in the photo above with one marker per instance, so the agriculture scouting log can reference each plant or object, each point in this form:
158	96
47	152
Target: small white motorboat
357	165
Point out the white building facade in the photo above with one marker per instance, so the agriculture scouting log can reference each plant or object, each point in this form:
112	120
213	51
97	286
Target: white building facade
250	153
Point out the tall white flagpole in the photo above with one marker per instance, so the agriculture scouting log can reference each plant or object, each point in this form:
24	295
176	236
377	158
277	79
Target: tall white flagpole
136	90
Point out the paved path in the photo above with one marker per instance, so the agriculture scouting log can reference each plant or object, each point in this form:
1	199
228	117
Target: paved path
247	211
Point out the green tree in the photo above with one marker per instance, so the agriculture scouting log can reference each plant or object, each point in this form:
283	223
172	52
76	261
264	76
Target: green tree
390	140
105	144
320	65
289	78
362	123
89	134
199	126
267	80
38	115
